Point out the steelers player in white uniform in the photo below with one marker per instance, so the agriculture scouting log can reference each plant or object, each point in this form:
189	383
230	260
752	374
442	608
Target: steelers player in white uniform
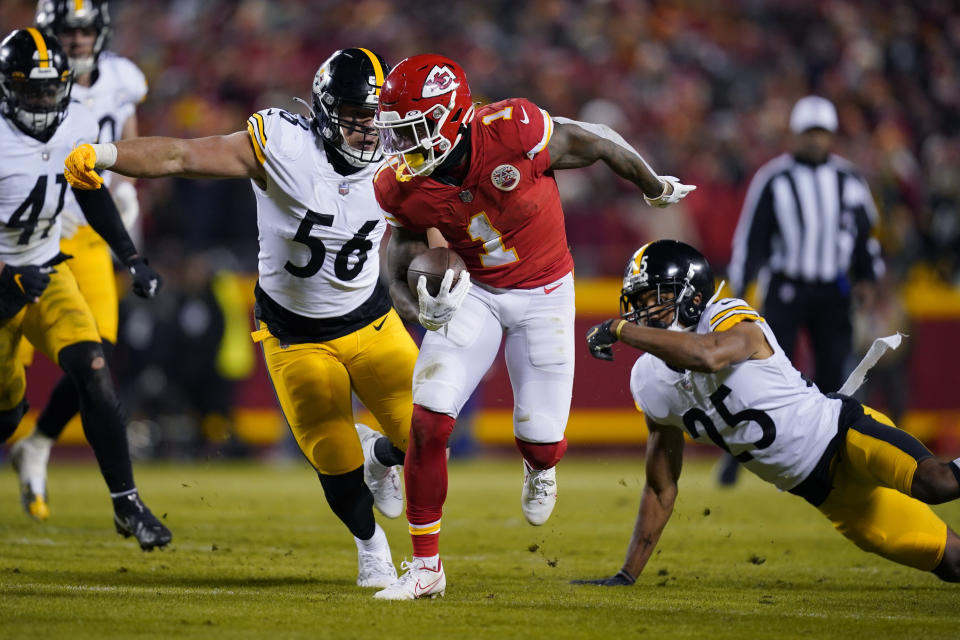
38	129
324	318
719	376
110	87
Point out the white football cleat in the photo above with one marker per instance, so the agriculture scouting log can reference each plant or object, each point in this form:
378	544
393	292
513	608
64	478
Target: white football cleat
375	568
29	458
539	494
419	581
383	482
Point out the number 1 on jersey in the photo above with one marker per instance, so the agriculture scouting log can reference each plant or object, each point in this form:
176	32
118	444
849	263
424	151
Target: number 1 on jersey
494	252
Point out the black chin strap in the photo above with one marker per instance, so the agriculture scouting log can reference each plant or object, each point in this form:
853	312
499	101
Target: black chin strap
340	165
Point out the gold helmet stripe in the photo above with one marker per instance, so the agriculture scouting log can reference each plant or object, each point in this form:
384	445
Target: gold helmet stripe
637	260
42	52
78	5
377	68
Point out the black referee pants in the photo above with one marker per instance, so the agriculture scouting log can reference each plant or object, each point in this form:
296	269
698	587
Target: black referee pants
824	309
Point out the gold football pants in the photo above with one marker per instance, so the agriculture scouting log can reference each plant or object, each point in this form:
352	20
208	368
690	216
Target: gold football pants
870	502
61	318
92	267
313	382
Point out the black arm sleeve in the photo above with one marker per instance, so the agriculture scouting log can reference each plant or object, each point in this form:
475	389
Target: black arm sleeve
867	263
761	232
100	211
752	240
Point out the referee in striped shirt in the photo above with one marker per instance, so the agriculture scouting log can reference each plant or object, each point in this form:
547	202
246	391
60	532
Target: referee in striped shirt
807	224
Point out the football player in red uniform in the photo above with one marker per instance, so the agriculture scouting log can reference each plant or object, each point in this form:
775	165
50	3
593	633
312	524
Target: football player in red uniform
484	178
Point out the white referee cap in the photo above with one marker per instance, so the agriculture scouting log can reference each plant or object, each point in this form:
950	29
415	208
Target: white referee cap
813	112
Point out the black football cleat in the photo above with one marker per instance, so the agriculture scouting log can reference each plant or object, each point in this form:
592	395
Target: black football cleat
137	520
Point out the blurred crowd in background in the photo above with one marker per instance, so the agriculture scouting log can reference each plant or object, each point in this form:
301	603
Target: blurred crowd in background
702	88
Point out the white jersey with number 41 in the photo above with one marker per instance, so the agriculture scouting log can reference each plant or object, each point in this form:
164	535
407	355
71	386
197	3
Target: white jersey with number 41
33	191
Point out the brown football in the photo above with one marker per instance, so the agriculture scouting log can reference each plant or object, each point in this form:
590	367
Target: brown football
433	263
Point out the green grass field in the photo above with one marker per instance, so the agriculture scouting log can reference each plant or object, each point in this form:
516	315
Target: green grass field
257	553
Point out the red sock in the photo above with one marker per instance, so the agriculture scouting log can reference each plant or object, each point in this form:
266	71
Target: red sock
425	478
542	456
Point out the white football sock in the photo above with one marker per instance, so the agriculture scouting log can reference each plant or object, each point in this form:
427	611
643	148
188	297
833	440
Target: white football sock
376	542
431	562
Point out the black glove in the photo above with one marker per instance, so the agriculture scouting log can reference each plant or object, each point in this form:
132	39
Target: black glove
146	281
600	338
29	281
621	579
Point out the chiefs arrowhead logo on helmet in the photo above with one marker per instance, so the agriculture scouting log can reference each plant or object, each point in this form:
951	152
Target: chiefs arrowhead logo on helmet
439	81
424	110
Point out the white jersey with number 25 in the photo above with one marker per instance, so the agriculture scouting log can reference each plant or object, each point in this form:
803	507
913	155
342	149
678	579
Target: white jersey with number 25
762	411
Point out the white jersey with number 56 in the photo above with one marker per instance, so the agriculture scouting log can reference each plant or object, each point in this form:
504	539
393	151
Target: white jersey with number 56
319	231
763	411
33	191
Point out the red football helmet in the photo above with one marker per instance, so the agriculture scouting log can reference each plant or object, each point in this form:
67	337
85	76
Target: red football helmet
424	105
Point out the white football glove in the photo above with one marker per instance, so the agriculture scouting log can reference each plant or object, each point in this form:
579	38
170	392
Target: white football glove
679	192
125	197
436	311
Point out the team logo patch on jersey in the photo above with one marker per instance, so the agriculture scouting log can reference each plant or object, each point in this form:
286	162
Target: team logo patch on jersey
344	188
439	81
505	177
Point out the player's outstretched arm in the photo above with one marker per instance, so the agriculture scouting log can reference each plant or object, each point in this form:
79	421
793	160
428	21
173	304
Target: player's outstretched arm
663	464
402	248
229	156
579	144
704	352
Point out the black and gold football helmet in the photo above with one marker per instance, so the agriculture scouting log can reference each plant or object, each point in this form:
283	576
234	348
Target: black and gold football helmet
666	266
349	78
56	16
35	82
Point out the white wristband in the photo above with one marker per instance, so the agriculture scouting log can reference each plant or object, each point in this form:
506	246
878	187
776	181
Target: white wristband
106	155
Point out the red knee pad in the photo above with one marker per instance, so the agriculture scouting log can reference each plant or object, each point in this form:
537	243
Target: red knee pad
542	456
428	427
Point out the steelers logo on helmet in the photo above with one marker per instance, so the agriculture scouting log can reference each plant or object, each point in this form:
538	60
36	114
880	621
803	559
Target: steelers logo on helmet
679	275
505	177
345	92
35	82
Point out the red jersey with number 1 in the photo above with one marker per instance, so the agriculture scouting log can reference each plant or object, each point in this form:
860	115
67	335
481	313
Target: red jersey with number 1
505	220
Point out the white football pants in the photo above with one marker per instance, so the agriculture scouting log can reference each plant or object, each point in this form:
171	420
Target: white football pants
539	352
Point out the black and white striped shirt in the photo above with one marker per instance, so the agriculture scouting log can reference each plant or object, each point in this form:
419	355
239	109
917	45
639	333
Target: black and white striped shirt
806	222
